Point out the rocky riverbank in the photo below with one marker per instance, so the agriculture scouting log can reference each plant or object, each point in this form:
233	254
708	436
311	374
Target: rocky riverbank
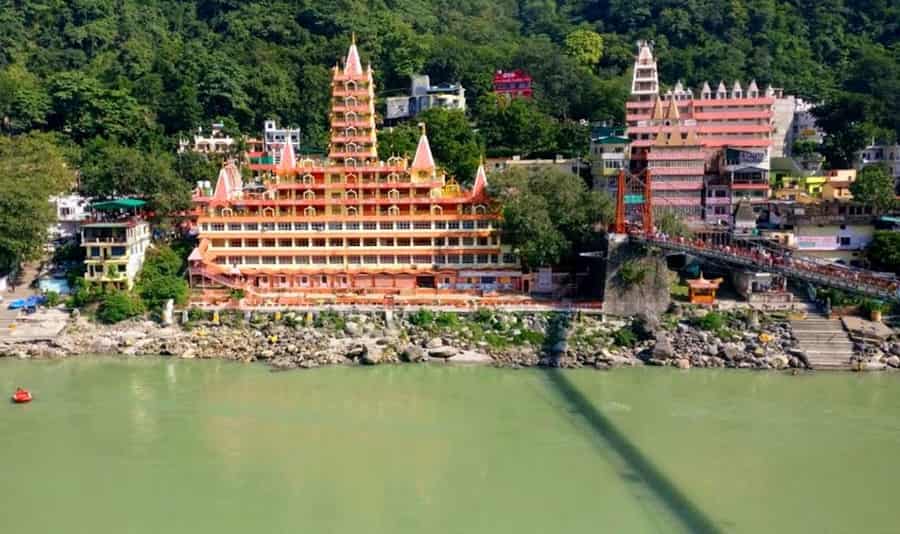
682	338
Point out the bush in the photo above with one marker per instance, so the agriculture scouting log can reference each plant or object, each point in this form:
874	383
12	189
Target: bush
118	306
236	294
422	318
53	298
625	337
867	306
446	319
711	321
483	316
632	272
84	293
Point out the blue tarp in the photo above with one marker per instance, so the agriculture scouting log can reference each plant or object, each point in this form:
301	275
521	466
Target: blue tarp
29	302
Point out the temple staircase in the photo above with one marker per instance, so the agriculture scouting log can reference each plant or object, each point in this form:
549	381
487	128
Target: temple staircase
824	341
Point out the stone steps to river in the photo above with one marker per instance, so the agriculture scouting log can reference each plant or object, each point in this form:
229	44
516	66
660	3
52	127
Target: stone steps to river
824	341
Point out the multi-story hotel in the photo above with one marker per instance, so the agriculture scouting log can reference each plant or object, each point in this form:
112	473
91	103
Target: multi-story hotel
351	224
115	240
735	122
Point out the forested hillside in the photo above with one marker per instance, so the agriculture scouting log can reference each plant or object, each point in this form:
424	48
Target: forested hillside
138	72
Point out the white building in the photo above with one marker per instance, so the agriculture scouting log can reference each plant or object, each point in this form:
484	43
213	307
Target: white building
71	210
275	137
214	141
793	121
115	243
424	96
886	154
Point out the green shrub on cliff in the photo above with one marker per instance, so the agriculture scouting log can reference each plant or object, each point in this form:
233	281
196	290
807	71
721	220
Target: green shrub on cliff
625	337
711	321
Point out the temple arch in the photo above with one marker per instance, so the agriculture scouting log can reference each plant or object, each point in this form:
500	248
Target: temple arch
309	211
309	194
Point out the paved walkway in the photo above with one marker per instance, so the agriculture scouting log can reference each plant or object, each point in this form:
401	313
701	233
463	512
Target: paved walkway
16	325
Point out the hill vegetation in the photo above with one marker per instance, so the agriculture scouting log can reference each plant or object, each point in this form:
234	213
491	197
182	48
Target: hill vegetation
120	80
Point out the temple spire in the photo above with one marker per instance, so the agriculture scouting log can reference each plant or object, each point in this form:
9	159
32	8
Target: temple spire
480	186
353	66
423	161
288	159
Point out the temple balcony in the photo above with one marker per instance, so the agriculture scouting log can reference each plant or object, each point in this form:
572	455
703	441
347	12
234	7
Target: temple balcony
358	92
358	108
356	123
343	139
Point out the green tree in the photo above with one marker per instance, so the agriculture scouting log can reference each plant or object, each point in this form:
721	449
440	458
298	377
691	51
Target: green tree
585	46
884	251
549	215
453	143
161	278
32	168
874	185
670	224
110	170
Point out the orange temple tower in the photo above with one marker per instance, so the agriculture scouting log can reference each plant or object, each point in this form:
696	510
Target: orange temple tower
350	227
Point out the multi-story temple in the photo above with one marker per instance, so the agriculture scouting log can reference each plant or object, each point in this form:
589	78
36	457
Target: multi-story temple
733	127
351	224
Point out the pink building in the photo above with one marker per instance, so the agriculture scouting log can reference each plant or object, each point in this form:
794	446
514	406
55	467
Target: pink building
727	122
515	84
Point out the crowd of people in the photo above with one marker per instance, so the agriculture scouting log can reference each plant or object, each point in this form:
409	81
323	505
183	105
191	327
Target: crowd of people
764	257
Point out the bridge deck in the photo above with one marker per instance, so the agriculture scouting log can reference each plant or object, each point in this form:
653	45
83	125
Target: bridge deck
858	281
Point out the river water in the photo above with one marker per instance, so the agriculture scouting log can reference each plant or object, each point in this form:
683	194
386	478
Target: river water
154	445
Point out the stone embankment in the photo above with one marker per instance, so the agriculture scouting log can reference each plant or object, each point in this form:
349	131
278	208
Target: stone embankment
682	338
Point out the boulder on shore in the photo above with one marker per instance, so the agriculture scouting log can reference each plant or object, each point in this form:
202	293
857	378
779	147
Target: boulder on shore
663	349
442	352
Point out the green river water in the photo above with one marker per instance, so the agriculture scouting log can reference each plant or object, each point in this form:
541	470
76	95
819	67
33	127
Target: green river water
167	446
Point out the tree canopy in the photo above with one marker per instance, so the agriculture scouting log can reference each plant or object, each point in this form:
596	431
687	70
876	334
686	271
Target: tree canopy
874	185
548	214
143	72
32	168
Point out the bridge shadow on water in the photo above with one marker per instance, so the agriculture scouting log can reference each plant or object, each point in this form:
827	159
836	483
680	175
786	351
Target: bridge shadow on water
641	469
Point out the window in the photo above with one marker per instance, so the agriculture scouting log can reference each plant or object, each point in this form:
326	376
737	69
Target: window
285	243
422	225
370	226
453	225
284	227
440	225
218	227
483	225
370	242
117	251
370	260
844	241
421	259
336	260
354	260
402	225
234	227
285	260
251	227
468	258
335	226
422	242
387	260
352	226
318	227
509	258
268	227
268	243
301	226
388	225
483	258
268	260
